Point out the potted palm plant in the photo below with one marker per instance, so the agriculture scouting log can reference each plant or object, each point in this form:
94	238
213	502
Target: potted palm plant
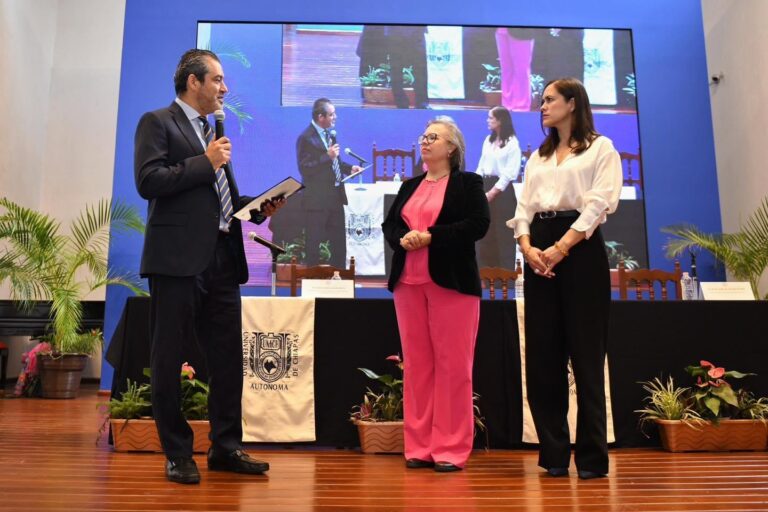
40	263
744	253
709	416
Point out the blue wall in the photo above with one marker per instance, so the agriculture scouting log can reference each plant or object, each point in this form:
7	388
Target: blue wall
670	66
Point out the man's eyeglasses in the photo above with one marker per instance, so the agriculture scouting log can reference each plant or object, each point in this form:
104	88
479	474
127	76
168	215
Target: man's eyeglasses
427	139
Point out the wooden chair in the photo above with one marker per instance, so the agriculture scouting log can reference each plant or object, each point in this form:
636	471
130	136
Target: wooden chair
386	162
632	168
489	276
644	281
525	155
318	272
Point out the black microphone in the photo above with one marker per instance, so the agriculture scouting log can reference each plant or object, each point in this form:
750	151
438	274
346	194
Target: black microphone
219	115
266	243
332	135
352	153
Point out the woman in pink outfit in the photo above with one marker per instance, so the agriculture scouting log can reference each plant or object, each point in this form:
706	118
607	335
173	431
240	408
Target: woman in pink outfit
432	227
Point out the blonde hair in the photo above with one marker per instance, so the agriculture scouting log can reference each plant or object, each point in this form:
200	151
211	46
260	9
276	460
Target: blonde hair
456	138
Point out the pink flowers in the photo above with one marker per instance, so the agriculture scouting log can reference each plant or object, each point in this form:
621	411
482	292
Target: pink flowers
187	371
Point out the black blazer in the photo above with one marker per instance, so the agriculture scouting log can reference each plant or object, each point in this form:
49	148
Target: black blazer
316	170
463	219
174	175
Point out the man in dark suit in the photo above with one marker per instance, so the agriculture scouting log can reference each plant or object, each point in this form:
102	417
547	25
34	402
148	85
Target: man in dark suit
317	155
194	259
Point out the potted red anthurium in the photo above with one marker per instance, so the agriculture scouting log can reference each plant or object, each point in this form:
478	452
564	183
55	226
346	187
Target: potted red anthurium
708	416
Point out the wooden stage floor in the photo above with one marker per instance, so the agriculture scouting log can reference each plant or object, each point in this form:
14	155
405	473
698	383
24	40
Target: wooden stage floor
50	460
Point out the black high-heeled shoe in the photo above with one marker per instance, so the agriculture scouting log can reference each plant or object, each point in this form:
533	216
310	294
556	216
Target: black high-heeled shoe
418	463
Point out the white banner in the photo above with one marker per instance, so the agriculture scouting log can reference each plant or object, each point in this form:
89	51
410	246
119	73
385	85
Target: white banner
445	63
278	369
364	214
529	430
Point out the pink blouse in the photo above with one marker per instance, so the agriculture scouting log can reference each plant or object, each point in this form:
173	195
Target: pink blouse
419	213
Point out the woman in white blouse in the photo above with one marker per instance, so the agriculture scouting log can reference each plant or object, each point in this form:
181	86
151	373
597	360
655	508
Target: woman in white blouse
572	182
499	166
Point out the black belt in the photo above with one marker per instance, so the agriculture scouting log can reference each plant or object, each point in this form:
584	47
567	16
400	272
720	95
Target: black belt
555	214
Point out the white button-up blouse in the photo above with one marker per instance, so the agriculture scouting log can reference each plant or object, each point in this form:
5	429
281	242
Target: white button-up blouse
589	182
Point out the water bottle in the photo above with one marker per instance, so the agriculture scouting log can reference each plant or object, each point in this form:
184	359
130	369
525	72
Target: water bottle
396	177
686	284
335	276
519	284
695	293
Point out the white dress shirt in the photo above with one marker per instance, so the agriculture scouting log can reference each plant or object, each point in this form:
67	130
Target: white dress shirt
502	162
589	182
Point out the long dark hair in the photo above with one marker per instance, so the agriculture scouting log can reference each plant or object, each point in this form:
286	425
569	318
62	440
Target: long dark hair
506	128
583	129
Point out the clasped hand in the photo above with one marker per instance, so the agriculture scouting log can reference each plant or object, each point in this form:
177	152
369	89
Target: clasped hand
415	240
542	262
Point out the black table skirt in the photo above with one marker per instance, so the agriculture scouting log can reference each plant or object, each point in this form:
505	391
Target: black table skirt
646	339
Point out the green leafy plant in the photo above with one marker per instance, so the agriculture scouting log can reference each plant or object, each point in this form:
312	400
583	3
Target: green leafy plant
666	401
381	76
133	403
387	403
617	254
194	395
41	264
298	248
711	398
492	82
744	253
714	397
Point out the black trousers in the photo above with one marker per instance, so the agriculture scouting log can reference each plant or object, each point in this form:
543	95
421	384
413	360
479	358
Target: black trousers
327	224
567	316
497	248
206	308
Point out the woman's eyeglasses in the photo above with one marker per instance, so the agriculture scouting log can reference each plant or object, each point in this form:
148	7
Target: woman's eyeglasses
427	139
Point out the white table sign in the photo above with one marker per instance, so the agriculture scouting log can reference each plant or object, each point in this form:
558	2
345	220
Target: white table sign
727	291
328	288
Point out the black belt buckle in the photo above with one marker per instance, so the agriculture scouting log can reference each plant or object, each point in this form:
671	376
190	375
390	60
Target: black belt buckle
547	215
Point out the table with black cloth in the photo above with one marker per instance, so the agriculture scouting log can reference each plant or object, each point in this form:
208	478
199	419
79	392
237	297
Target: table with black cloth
646	339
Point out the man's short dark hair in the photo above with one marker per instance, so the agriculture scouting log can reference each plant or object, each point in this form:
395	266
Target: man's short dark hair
193	62
320	107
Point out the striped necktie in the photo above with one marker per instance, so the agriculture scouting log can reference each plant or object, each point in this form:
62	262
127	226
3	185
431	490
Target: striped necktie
225	199
336	166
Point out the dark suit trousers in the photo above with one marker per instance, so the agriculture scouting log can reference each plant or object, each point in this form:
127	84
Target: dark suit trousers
205	307
567	316
497	247
327	224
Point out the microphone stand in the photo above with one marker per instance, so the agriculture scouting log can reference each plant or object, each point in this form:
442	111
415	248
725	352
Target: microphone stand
276	250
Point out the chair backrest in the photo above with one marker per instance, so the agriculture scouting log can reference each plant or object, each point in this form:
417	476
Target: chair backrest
489	276
632	168
387	162
524	157
318	272
644	281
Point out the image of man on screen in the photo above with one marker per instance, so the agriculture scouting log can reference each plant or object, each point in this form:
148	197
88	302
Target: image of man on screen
317	155
194	259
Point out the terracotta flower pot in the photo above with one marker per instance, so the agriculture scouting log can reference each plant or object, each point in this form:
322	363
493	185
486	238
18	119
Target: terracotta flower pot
141	435
728	435
380	436
384	96
493	98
